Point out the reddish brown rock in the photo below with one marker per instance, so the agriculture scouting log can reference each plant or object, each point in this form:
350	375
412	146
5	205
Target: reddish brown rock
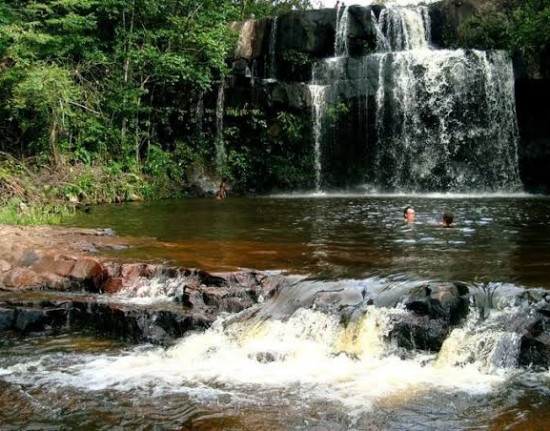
112	285
131	273
63	266
89	271
53	281
112	269
21	278
4	266
52	263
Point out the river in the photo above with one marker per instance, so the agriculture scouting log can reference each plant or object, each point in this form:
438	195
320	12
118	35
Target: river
304	371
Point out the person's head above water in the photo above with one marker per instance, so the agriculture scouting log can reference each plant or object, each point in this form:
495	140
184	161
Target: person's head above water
408	214
447	219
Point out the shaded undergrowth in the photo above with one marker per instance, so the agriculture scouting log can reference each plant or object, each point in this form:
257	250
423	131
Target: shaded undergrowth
32	194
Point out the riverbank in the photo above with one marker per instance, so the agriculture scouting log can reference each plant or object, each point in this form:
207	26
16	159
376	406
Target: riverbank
54	279
34	194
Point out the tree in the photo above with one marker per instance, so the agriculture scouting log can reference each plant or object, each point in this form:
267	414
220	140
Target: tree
50	92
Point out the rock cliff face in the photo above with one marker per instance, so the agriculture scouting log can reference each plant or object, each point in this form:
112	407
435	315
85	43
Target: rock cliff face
276	59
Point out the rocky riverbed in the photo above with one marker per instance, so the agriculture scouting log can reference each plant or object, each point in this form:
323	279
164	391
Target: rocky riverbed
55	279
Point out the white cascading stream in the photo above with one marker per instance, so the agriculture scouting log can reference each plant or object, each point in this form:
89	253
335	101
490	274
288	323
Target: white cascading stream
310	351
272	64
436	116
444	120
318	102
403	29
341	33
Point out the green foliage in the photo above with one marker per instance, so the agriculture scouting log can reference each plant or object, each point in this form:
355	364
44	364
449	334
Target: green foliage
109	89
263	8
267	150
489	31
531	25
523	28
49	92
296	58
291	125
335	111
16	212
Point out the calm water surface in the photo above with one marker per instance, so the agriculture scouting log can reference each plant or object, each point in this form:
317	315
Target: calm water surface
495	239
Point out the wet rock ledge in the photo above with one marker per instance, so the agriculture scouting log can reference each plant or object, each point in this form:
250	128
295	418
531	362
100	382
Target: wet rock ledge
50	281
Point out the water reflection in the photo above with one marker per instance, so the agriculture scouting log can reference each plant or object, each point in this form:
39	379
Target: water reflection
494	239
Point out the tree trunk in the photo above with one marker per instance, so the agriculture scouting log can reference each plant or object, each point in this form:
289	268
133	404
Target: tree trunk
136	136
126	66
53	141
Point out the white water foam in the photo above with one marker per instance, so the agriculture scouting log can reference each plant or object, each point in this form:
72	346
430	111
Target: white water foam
330	3
370	194
310	356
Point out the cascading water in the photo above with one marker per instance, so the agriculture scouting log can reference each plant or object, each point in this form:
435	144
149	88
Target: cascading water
319	93
220	144
318	102
287	350
441	121
404	29
341	33
433	132
272	64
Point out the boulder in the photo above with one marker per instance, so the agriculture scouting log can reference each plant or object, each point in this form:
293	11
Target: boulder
252	33
130	273
7	318
4	266
361	31
310	32
28	258
112	285
437	300
535	340
62	266
89	272
136	324
414	332
21	278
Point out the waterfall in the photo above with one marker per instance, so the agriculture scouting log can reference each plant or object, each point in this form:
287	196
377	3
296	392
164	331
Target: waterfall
318	103
382	43
220	144
321	357
450	121
440	120
272	65
341	34
403	29
491	347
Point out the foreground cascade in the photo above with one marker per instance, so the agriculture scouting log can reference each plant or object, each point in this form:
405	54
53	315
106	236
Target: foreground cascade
387	108
353	343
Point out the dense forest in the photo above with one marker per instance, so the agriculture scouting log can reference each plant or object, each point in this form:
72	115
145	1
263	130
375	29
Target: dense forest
98	98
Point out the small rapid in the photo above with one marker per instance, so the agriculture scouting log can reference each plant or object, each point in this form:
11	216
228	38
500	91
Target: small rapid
293	348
